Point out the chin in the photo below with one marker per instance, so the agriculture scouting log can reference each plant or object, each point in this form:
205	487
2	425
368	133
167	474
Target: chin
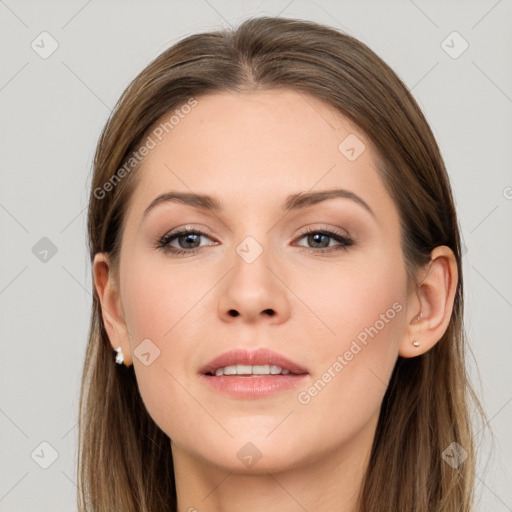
254	455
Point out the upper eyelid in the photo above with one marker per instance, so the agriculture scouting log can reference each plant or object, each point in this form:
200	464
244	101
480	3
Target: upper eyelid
203	232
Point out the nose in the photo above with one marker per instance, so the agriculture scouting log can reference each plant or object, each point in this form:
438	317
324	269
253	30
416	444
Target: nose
255	291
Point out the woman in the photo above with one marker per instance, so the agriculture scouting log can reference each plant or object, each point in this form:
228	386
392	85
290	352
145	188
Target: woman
277	270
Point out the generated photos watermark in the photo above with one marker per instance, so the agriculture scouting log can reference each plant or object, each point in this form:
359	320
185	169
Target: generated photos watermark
304	397
152	140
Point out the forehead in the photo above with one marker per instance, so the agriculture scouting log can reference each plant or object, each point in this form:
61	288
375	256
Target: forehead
253	149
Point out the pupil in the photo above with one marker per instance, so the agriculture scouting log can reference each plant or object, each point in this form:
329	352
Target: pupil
315	239
188	236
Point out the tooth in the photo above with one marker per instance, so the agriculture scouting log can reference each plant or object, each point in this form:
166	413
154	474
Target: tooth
243	369
262	369
230	370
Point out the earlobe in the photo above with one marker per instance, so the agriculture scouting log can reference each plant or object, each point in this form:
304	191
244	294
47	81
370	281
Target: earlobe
432	305
111	308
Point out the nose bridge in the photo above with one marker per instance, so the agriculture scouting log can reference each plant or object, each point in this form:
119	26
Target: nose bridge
250	249
250	265
252	236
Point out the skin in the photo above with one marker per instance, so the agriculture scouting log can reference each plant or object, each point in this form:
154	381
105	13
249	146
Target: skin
252	150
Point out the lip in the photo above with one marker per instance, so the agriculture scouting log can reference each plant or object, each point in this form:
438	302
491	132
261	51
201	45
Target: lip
259	356
250	386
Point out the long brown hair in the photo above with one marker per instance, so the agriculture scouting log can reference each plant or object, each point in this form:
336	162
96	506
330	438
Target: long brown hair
125	461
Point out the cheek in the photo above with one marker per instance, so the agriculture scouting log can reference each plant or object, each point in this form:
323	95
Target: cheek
364	307
163	305
350	297
158	297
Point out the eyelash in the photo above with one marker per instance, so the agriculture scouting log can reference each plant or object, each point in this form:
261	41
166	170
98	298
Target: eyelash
163	243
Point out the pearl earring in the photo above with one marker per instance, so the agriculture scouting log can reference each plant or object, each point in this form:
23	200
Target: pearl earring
119	356
416	343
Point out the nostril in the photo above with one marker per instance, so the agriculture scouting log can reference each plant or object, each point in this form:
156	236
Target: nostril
234	312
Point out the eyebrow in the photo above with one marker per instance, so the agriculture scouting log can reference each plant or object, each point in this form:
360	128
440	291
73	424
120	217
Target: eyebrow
293	202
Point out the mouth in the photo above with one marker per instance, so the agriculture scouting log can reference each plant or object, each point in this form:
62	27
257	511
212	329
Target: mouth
252	374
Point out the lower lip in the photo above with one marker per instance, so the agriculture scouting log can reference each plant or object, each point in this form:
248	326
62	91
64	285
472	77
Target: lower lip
248	386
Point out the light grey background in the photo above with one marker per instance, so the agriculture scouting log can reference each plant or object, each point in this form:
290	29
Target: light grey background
52	111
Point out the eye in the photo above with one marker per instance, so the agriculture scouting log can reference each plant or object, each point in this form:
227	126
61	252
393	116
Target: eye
188	241
319	239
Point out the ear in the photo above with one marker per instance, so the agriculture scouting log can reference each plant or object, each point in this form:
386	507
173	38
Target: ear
111	307
432	304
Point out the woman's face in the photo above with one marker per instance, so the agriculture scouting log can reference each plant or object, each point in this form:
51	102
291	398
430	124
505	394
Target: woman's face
258	280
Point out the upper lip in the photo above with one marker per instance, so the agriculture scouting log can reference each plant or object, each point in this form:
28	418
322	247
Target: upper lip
260	356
